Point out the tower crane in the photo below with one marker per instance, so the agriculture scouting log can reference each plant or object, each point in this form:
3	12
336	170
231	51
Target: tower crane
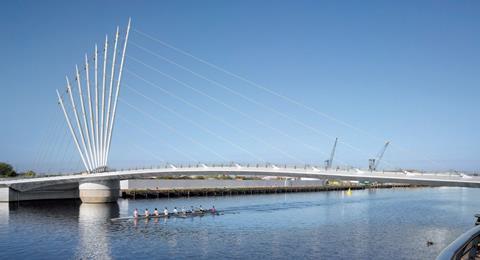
328	163
373	163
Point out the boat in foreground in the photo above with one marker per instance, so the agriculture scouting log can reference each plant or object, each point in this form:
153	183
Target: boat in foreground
173	215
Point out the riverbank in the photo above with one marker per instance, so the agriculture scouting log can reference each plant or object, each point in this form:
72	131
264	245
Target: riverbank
146	189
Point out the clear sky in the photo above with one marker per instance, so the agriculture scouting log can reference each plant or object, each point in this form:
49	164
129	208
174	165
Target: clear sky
404	71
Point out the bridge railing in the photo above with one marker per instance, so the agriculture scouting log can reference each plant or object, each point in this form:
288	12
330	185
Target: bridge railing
344	168
466	246
236	165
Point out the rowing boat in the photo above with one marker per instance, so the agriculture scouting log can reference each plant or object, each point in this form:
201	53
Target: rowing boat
173	215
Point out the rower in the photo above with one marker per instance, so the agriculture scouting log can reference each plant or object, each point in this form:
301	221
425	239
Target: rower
147	213
201	209
184	211
155	212
135	213
165	211
213	210
175	211
192	210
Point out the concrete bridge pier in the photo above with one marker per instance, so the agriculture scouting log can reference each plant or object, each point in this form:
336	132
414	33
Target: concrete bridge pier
99	191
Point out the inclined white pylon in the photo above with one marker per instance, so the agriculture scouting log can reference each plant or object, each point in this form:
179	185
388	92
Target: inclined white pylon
96	133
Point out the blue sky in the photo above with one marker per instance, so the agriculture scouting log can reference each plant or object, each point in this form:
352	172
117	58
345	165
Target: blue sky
405	71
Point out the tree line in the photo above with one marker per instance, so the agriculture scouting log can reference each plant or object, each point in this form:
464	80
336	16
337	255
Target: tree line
7	170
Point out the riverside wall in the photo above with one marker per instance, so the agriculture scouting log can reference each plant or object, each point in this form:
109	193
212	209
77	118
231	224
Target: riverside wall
159	188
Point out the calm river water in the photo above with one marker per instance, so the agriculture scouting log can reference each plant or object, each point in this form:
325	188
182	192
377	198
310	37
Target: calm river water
368	224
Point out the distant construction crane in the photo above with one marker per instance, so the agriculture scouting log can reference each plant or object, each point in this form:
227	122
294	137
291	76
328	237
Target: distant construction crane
328	163
373	163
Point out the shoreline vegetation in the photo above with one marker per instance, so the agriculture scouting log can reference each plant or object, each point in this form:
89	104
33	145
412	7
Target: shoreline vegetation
7	171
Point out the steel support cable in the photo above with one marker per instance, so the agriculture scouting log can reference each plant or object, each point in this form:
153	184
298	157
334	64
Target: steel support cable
71	160
217	118
69	155
268	90
43	140
171	77
52	156
57	163
173	130
60	145
80	166
230	108
41	144
63	142
67	147
150	153
251	100
313	129
50	143
184	154
252	83
204	129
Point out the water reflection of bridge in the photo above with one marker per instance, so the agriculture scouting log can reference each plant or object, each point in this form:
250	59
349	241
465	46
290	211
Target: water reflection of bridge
86	220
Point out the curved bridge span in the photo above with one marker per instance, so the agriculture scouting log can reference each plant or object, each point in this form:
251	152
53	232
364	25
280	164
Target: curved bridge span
109	180
92	136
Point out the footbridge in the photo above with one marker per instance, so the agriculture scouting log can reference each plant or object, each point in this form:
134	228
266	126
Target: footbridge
89	105
104	187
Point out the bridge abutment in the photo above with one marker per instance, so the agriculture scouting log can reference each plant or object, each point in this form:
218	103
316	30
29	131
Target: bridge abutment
6	194
99	191
66	191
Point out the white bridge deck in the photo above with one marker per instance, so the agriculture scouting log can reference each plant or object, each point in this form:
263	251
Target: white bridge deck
431	179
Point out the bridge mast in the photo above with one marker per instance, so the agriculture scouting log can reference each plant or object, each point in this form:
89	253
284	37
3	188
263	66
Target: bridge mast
112	74
97	146
80	92
90	110
102	121
95	133
109	136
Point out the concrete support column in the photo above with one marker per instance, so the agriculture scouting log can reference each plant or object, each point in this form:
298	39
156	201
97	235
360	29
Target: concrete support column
99	191
6	194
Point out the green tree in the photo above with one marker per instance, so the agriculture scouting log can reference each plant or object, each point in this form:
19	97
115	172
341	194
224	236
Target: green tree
7	170
30	174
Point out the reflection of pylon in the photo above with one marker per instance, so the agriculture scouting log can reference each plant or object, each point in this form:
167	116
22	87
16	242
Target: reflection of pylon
349	191
94	137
